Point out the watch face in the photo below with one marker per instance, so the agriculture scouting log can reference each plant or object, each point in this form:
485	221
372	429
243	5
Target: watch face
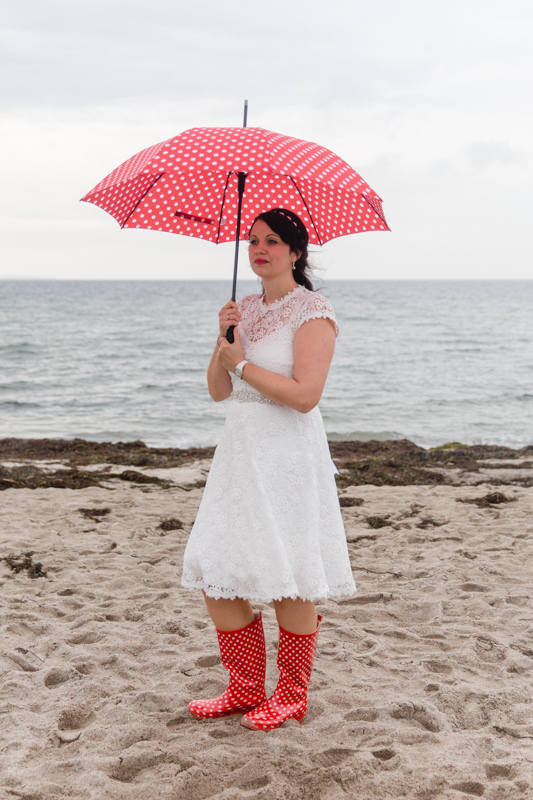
238	372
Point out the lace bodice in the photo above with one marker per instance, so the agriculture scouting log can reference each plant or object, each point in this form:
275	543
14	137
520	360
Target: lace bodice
267	331
297	307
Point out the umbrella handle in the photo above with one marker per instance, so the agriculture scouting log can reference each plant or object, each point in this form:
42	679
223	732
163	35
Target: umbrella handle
241	181
242	178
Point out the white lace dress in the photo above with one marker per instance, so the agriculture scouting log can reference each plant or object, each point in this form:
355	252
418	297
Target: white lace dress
269	524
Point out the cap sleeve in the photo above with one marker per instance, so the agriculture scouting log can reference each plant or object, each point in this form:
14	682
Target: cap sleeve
317	306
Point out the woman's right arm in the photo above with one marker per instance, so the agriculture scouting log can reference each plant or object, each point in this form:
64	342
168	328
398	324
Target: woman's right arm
218	378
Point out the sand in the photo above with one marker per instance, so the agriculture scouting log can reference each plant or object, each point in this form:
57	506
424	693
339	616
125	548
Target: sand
422	686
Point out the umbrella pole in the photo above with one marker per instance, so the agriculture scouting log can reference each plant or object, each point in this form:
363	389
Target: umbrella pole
242	179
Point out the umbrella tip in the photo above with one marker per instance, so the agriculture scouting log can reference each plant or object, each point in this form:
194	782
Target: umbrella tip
245	119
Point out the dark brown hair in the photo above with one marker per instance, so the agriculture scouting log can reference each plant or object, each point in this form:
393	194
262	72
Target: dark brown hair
293	232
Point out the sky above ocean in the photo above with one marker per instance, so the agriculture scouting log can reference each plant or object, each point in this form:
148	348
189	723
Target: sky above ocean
426	100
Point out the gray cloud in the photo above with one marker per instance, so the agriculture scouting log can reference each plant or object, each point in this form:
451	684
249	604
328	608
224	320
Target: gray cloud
405	91
65	52
484	154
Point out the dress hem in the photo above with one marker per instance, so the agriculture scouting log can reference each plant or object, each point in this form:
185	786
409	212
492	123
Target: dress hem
219	594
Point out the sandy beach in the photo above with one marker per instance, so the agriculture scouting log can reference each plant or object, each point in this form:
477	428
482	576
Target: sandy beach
422	685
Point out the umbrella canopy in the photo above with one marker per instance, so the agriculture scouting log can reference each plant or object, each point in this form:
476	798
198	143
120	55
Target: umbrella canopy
190	185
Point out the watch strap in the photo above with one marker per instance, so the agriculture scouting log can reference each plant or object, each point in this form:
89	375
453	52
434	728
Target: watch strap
240	367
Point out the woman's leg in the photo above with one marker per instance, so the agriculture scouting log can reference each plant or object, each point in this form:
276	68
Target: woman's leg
229	615
298	635
242	652
296	616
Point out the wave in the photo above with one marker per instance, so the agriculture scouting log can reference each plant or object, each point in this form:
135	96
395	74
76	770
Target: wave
364	436
20	349
16	404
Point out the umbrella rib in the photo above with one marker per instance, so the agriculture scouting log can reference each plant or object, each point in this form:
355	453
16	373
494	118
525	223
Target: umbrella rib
307	209
222	205
375	210
136	206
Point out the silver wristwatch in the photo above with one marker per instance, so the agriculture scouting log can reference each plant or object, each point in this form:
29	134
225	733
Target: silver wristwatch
239	368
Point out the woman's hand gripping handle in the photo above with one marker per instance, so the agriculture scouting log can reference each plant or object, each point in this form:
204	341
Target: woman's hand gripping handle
229	317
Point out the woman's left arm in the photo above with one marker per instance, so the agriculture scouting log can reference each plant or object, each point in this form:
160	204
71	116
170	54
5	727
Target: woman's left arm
314	344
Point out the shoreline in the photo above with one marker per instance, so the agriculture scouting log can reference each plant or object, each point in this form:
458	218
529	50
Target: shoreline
78	463
422	686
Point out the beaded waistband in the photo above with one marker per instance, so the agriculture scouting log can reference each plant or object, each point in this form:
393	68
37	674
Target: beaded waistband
244	396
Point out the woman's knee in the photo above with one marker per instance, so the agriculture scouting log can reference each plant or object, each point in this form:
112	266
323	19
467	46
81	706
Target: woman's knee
229	614
296	616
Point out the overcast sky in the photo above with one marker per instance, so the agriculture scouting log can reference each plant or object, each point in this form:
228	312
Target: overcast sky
429	100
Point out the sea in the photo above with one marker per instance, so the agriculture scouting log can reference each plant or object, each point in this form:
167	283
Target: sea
430	361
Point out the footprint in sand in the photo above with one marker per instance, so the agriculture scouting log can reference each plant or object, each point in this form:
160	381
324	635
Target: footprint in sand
150	702
472	587
208	661
334	756
126	736
362	715
222	734
89	637
429	718
438	667
495	771
251	784
470	787
75	719
468	710
19	660
384	754
490	651
58	675
135	759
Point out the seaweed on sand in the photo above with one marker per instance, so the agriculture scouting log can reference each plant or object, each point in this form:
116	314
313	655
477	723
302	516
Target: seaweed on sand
24	562
171	524
488	501
94	513
403	463
77	452
31	477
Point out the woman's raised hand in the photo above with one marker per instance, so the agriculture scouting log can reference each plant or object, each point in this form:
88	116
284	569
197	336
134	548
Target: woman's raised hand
229	355
229	315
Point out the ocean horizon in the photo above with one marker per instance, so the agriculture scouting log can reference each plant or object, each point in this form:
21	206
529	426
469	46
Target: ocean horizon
432	361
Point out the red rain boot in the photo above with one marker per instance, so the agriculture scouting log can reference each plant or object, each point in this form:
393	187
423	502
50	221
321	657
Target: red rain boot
296	654
242	653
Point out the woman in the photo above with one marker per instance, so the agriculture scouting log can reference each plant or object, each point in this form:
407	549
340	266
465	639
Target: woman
269	527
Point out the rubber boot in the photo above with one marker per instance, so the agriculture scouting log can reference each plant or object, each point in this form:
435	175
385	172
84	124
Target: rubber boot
243	654
296	655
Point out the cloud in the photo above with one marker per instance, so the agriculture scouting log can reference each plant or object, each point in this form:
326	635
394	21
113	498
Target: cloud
424	99
486	154
62	52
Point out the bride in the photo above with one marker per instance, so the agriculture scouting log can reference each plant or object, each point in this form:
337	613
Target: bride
269	527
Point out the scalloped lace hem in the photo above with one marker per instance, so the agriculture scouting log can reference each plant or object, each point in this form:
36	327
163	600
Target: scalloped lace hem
217	593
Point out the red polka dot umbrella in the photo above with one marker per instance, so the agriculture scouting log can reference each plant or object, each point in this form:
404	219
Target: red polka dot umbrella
204	181
189	185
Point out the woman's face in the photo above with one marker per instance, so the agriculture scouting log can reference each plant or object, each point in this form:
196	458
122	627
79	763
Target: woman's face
269	255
